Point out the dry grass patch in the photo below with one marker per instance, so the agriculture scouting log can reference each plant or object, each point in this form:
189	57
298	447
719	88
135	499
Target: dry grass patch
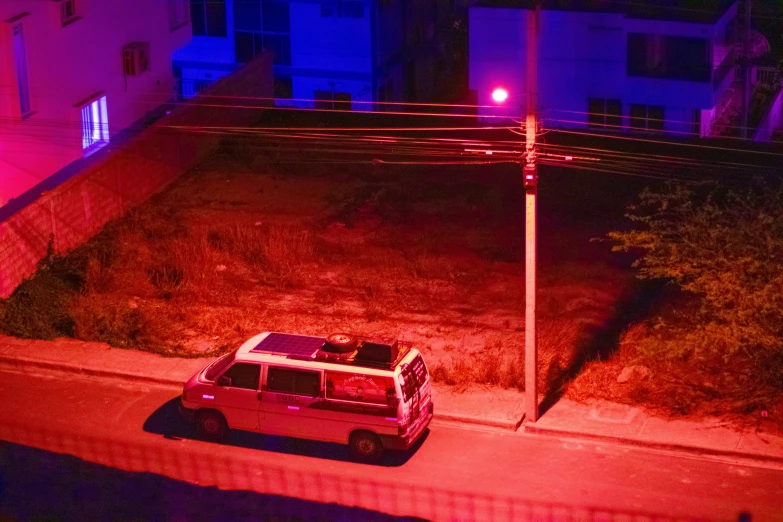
494	365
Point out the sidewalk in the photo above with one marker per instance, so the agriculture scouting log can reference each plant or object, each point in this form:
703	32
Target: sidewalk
601	421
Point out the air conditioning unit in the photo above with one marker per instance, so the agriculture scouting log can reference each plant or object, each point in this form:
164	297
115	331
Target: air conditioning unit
136	58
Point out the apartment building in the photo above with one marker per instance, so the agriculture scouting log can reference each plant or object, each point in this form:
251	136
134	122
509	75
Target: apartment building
327	54
74	74
654	66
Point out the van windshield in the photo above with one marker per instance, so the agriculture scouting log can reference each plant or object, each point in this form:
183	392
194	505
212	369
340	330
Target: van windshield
219	365
412	377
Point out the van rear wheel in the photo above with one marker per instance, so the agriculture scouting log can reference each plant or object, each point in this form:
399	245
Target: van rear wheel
211	425
366	445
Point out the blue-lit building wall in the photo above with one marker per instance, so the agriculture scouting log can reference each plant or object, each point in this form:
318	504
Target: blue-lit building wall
332	51
584	56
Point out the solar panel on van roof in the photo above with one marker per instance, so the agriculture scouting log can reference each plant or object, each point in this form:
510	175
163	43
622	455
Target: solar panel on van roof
289	344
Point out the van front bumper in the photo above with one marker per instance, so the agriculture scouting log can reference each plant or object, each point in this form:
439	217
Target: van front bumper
186	413
403	442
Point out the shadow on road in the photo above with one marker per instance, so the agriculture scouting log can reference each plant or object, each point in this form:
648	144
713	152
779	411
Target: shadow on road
42	485
166	421
54	475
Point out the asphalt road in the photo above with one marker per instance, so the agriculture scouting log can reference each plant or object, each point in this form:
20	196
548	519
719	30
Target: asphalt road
84	448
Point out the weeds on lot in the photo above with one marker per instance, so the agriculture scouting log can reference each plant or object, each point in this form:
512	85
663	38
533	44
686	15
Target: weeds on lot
275	252
493	366
119	322
38	308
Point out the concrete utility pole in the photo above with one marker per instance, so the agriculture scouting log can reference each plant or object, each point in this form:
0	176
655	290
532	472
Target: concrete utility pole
746	69
530	173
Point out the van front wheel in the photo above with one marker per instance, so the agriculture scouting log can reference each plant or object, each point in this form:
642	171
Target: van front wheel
211	425
366	445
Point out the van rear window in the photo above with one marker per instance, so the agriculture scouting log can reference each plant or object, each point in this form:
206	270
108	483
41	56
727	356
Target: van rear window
412	377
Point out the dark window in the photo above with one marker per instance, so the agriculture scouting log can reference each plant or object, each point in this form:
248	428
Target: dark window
332	100
595	109
208	17
669	57
244	375
284	88
297	382
648	117
324	100
604	113
243	46
342	101
655	117
262	25
276	17
638	116
247	15
614	114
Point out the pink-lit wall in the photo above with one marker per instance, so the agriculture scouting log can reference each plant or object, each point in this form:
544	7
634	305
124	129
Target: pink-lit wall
77	209
66	64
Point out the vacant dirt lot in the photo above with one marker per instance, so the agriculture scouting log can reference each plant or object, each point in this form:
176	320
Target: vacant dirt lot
429	254
265	236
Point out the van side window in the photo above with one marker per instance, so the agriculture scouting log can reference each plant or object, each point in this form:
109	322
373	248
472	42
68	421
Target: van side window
244	375
297	382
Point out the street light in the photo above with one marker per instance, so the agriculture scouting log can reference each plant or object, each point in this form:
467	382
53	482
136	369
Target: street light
500	95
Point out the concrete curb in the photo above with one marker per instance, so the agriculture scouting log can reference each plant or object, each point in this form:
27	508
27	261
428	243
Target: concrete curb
694	450
471	419
132	376
75	368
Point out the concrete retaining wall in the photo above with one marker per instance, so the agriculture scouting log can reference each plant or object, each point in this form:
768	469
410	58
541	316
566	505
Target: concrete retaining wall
129	174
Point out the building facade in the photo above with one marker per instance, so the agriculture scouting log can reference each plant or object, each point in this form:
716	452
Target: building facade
610	68
336	53
75	73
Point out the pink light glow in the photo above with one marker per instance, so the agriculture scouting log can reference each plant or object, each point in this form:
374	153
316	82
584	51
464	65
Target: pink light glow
500	95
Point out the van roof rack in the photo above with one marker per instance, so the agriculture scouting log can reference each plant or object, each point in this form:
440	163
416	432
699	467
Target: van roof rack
381	353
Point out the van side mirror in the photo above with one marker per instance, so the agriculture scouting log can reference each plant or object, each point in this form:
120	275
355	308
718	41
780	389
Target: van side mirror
224	380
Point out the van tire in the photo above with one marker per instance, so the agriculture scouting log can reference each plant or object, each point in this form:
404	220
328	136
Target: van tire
342	342
365	445
211	425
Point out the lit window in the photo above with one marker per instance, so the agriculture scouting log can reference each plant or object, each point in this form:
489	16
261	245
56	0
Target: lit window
20	55
95	126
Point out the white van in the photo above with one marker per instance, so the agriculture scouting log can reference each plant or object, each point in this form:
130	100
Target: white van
371	394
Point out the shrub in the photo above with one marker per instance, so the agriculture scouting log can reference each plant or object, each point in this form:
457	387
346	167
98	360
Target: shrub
39	307
118	323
